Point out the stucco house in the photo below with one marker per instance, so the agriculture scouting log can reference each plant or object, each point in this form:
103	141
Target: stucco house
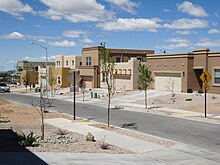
182	71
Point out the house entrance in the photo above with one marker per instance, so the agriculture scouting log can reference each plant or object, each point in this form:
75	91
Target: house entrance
198	73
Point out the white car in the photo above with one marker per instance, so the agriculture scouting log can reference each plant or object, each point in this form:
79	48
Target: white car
4	87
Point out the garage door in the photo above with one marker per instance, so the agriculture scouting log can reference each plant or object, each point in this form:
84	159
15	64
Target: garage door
168	81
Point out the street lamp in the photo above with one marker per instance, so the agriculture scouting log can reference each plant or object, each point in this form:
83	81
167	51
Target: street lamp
46	62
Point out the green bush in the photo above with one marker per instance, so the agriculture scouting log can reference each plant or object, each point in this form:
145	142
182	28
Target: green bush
27	140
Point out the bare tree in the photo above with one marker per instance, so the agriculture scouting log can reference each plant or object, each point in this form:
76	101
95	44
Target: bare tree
42	107
170	87
107	66
52	83
27	81
82	86
144	80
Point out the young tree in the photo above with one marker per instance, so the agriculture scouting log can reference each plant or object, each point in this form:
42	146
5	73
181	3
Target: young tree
42	107
107	66
170	87
82	86
52	83
144	80
26	81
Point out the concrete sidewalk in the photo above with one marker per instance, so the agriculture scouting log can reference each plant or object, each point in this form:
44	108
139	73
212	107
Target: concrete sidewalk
176	154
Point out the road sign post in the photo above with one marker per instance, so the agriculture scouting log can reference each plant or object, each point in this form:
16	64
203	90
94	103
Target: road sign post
205	77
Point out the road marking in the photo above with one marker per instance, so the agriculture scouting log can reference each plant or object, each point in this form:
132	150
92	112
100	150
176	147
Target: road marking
180	114
86	122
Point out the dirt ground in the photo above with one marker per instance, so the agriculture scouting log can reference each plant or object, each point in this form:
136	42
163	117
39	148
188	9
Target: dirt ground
190	101
19	114
16	118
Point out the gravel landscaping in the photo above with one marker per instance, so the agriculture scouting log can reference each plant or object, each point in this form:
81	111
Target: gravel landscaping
186	101
21	118
71	142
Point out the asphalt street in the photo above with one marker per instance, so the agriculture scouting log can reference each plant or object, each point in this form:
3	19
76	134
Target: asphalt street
199	134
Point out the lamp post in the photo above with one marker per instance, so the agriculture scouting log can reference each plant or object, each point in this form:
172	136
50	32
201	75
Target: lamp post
46	62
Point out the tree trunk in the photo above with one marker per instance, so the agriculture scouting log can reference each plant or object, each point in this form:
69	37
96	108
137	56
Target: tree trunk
83	96
42	127
145	98
109	103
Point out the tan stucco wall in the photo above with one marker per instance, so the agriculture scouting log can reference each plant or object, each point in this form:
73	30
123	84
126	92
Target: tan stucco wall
64	75
31	76
127	75
93	52
63	61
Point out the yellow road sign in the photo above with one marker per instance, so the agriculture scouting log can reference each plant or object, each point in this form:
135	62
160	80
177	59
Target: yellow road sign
205	77
205	87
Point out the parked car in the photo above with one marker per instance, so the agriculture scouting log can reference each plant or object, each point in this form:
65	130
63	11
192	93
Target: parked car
4	87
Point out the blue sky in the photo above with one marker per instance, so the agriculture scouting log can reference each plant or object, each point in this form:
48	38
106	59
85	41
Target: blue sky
66	26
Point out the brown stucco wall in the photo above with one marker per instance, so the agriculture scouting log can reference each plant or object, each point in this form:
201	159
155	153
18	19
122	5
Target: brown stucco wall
170	64
214	63
193	81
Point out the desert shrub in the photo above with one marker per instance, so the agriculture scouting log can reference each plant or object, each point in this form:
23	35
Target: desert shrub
61	132
213	97
188	99
27	140
200	91
103	144
189	90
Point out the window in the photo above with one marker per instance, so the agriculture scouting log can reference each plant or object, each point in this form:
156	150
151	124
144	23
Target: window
72	62
140	59
104	77
118	59
67	63
80	63
58	63
217	76
58	80
88	60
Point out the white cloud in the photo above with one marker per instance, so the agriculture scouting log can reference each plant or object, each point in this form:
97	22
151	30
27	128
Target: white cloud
64	43
176	43
191	9
214	31
185	23
41	40
183	32
15	8
130	25
13	35
185	43
41	58
126	5
178	40
166	10
208	43
73	33
74	10
86	40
